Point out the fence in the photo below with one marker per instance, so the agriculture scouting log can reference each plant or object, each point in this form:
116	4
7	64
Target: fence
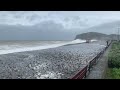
87	68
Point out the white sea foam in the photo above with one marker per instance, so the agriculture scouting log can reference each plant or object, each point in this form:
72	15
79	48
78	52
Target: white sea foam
77	41
12	49
93	40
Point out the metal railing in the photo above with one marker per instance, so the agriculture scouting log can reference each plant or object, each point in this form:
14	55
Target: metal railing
87	68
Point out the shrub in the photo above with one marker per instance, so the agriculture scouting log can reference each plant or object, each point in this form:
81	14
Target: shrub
115	73
114	56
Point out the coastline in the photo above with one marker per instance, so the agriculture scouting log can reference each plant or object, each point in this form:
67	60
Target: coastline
54	63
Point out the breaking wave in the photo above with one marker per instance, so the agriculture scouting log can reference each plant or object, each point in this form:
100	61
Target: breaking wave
24	48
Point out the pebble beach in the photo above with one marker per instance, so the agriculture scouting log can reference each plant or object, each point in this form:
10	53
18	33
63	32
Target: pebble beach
54	63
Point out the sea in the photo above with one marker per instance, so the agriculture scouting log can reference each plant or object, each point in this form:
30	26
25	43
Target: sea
9	46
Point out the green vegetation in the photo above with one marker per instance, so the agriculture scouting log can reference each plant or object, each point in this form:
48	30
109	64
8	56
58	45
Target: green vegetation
114	56
113	71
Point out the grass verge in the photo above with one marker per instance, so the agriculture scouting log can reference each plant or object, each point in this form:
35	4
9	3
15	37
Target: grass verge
113	71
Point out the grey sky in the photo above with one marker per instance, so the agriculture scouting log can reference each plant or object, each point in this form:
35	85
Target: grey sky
69	19
51	25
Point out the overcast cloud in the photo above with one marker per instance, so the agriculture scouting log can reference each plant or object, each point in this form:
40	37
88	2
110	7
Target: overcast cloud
51	24
69	19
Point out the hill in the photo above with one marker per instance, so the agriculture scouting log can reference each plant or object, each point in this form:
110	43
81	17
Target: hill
106	28
96	35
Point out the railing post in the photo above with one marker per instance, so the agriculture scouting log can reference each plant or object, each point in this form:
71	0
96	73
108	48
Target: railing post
83	73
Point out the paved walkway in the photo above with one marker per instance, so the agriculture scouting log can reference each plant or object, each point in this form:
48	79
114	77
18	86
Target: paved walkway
99	70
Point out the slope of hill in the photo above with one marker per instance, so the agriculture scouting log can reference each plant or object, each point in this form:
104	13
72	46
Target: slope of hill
106	28
91	35
96	35
110	31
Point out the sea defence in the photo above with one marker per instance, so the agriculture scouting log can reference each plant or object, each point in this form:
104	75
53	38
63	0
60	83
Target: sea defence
54	63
